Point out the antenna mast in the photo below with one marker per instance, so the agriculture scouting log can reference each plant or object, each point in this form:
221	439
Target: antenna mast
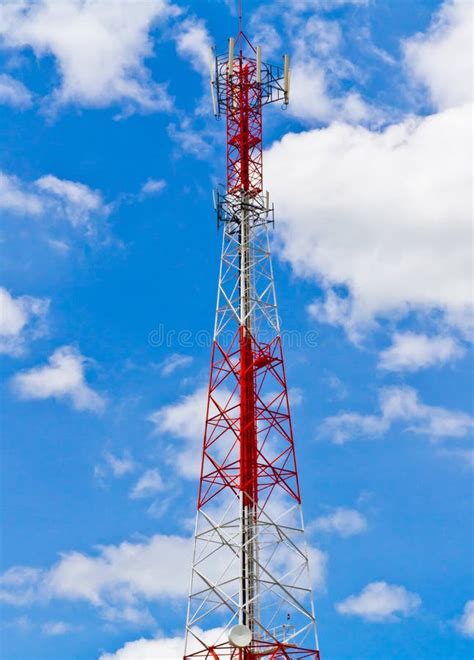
250	591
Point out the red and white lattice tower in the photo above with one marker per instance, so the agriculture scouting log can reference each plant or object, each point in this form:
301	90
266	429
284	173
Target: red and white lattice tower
250	593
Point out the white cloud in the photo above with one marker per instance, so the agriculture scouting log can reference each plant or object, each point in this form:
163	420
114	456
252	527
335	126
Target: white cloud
170	648
338	311
328	4
296	396
318	561
316	71
465	624
345	522
161	648
120	465
307	31
337	386
318	35
14	316
56	628
118	580
402	243
380	601
148	485
441	59
99	48
347	426
411	351
121	581
173	362
62	378
189	139
310	97
391	248
149	570
399	404
78	202
22	320
115	466
19	585
22	623
466	456
184	420
193	42
55	198
15	198
14	93
153	187
59	246
265	34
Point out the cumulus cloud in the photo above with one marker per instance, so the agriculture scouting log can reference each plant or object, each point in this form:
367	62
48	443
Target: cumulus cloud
193	42
15	198
77	201
164	648
402	405
465	624
120	465
99	48
441	58
311	98
51	197
14	93
307	31
22	623
328	4
411	351
57	628
337	310
62	378
323	83
393	235
318	563
345	522
190	140
148	485
59	246
184	420
22	320
114	465
119	580
153	187
338	388
379	602
20	585
465	456
405	243
317	69
173	362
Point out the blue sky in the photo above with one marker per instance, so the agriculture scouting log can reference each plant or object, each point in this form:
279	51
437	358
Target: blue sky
108	280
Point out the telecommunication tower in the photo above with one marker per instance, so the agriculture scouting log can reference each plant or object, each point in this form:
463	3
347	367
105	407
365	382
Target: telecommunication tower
250	594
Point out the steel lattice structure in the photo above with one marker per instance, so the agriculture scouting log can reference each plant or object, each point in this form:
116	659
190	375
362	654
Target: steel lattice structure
250	563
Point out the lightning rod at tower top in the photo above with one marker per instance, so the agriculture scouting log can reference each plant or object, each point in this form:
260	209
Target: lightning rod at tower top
250	595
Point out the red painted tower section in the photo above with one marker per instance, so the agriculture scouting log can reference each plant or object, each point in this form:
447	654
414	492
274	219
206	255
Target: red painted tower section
250	567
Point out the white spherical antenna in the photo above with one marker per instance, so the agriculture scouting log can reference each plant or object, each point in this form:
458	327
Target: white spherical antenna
240	636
